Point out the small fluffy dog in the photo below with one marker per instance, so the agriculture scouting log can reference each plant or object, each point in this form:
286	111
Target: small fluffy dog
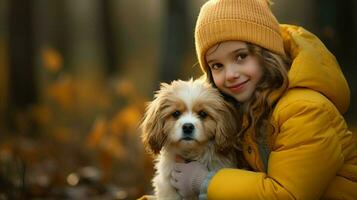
190	119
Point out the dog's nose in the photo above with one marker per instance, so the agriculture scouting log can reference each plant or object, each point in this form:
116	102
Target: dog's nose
188	128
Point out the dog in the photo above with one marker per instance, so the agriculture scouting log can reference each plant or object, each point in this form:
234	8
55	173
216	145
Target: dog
192	120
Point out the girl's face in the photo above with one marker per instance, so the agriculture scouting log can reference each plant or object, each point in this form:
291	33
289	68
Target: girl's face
234	70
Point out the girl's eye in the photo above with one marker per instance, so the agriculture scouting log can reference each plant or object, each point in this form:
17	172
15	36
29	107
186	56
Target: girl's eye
216	66
176	114
241	56
202	114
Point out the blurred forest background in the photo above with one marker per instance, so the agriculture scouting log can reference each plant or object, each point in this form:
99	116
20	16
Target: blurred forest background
75	76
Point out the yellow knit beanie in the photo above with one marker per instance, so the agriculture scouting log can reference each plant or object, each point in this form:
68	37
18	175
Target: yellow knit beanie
244	20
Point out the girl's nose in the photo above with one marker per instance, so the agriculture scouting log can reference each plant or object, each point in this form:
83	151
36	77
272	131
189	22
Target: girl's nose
232	73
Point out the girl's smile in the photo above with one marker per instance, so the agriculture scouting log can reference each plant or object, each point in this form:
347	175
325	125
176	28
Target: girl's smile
234	69
238	87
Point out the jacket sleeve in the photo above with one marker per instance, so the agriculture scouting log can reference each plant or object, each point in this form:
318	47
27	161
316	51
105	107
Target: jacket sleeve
304	159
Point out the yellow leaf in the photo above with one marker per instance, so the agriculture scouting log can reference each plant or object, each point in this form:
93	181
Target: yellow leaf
126	120
52	59
62	92
98	132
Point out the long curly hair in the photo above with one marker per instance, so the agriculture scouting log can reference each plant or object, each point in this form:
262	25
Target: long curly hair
257	111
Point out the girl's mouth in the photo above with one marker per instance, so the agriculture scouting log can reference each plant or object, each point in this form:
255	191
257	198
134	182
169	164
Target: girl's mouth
238	87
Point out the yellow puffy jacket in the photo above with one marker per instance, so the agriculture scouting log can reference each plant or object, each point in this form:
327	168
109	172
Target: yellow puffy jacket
312	155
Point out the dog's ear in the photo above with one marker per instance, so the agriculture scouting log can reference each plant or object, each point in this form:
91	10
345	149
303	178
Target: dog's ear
227	128
152	127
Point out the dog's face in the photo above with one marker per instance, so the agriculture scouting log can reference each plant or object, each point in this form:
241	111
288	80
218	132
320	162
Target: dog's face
186	115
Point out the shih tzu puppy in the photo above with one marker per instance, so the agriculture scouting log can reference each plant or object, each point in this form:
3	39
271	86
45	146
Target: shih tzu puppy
192	120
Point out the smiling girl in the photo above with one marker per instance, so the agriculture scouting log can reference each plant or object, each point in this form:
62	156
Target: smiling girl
292	95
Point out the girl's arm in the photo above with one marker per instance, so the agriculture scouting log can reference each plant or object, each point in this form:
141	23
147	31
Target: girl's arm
305	157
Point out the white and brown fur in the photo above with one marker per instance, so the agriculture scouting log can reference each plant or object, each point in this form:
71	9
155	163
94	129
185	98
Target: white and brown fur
210	138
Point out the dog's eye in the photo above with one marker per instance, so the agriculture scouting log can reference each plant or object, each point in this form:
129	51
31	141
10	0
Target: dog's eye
176	114
202	114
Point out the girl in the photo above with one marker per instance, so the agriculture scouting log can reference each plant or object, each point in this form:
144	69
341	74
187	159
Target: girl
291	93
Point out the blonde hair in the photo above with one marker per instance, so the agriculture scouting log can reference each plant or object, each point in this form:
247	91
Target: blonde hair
257	110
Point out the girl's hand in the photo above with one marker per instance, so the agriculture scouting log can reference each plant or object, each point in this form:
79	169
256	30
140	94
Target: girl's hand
188	177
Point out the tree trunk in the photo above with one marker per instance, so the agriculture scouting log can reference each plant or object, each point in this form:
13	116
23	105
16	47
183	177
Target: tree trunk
176	29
